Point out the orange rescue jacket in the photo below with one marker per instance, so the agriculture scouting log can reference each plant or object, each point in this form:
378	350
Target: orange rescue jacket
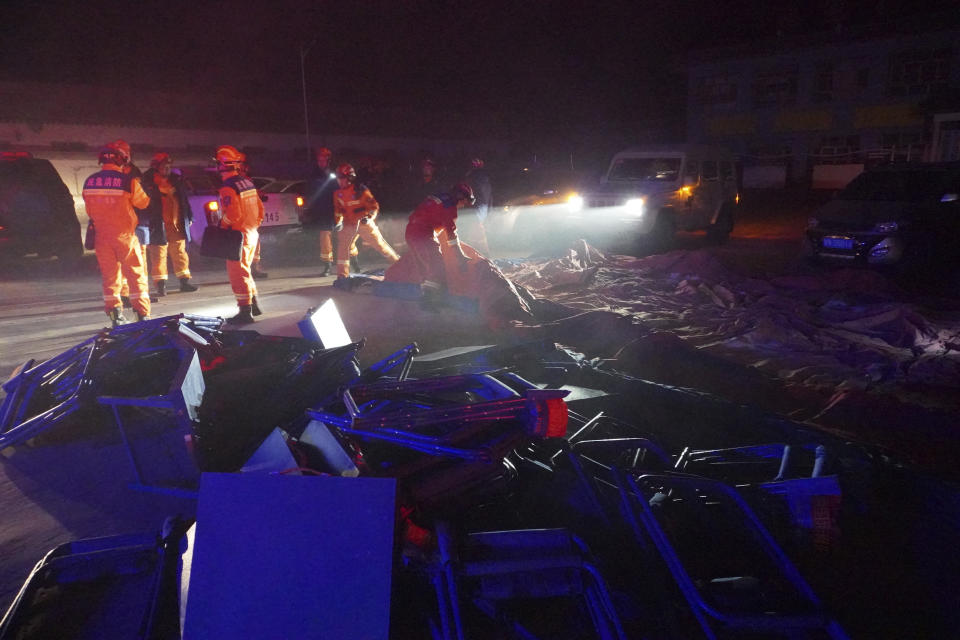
240	203
349	206
110	196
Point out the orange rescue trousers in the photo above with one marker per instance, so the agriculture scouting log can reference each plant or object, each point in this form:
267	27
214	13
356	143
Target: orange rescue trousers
122	265
347	239
241	280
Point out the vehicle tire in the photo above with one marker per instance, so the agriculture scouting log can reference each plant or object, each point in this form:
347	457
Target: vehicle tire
719	231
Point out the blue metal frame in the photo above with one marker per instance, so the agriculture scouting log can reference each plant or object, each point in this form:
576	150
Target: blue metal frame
526	552
399	411
640	515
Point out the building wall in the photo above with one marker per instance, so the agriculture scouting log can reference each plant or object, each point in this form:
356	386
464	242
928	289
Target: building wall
844	101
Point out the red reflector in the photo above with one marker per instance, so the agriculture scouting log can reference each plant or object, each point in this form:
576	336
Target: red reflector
548	417
556	418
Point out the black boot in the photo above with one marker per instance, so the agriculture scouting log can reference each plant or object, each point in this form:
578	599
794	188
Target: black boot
254	307
161	288
185	285
116	317
355	264
326	270
141	317
126	302
244	317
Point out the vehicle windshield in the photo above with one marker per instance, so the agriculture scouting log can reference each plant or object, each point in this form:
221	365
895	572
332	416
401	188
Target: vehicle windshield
634	169
899	186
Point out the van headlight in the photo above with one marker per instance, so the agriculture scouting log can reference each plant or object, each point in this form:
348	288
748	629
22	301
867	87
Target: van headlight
575	202
886	227
634	206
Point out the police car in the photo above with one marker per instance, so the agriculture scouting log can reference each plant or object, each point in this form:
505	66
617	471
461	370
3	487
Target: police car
281	205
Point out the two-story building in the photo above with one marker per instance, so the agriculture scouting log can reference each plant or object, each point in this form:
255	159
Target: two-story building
814	111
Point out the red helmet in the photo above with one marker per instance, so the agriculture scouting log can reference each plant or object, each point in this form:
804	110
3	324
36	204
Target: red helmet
116	152
463	191
229	159
347	171
160	159
477	162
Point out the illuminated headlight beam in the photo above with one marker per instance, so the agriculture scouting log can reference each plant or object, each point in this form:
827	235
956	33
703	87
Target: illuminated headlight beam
575	202
634	206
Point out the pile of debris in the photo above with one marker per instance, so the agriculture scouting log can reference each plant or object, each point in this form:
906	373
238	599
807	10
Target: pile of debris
482	491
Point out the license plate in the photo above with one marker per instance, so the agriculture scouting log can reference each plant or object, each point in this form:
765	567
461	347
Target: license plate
836	242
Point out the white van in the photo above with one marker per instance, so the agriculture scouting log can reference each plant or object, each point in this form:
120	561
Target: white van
648	193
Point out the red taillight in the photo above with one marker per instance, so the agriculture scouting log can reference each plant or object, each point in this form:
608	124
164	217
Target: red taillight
547	413
212	211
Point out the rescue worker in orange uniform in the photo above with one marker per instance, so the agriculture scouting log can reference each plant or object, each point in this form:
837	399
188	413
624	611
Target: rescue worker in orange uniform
354	210
435	214
110	196
170	218
242	210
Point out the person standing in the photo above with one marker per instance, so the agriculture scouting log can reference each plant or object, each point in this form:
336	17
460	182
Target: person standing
355	211
479	180
110	196
435	214
427	183
242	211
170	216
318	211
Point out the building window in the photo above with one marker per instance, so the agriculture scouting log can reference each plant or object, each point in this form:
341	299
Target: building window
717	90
777	88
902	147
823	82
838	150
919	73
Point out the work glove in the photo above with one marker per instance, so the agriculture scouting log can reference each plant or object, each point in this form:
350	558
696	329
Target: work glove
338	226
365	220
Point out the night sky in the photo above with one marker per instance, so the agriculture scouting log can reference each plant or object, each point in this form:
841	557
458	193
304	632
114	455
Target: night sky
598	59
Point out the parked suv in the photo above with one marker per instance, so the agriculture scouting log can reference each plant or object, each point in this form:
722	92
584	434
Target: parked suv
890	215
648	193
37	215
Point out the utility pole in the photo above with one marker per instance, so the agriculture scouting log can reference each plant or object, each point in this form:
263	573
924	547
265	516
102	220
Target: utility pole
304	49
